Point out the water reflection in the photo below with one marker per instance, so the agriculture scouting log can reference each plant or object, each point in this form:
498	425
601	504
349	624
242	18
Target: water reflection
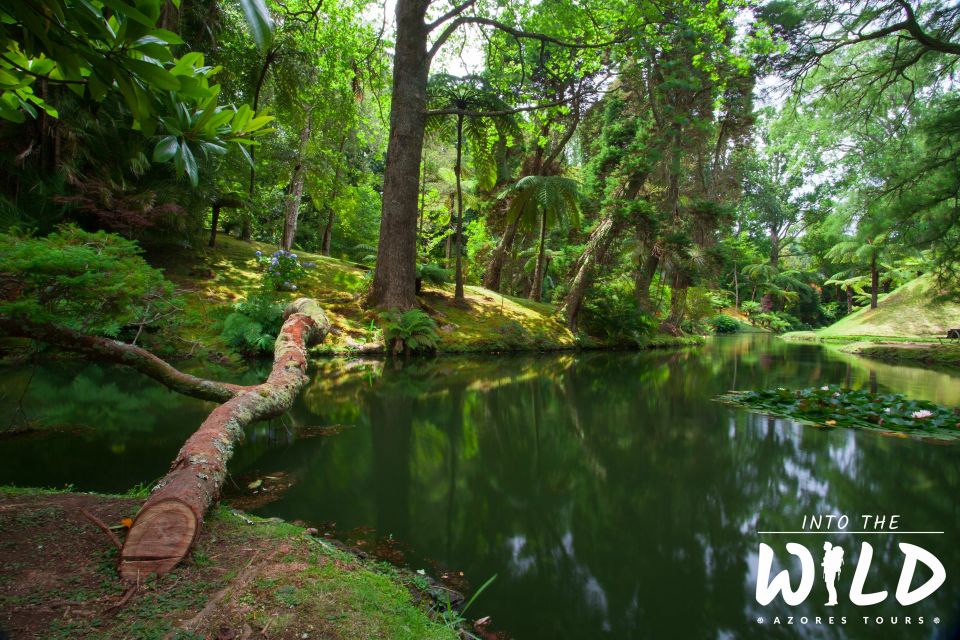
612	496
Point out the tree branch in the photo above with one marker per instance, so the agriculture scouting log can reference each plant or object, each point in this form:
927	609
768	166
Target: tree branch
453	13
493	114
104	349
516	33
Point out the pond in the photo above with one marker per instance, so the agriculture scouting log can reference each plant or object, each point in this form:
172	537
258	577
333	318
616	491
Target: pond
609	493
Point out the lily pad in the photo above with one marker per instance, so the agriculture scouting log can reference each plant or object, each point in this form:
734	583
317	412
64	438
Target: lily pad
833	406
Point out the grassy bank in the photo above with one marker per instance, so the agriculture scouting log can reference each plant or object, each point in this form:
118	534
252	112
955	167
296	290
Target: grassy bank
247	578
904	327
947	355
486	321
919	311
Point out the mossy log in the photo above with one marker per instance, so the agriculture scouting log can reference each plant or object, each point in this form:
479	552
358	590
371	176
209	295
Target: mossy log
169	522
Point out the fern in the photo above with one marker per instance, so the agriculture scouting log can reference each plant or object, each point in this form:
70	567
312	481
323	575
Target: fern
409	332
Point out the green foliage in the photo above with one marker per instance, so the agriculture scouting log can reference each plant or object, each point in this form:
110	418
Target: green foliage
252	327
408	332
103	50
283	270
432	273
93	282
750	307
611	311
722	323
833	406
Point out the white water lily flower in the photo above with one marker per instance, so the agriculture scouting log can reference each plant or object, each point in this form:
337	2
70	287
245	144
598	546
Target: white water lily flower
825	388
923	413
888	410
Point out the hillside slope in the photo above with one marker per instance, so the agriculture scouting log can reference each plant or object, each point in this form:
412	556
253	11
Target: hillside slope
487	321
918	309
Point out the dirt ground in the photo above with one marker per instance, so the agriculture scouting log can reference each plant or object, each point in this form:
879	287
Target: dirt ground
247	579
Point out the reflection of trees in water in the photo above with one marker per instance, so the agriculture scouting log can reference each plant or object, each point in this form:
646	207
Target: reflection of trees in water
608	490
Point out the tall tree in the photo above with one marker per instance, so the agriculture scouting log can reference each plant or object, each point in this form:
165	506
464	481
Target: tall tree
395	273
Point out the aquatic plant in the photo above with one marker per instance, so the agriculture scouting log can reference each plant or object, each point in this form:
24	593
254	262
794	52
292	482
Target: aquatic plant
833	406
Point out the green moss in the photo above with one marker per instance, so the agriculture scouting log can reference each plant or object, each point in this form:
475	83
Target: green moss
486	321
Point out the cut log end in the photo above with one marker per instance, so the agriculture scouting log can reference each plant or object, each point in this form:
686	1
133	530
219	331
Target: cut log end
159	539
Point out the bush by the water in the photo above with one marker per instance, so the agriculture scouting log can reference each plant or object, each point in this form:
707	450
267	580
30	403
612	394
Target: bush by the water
93	282
408	332
253	325
724	324
831	406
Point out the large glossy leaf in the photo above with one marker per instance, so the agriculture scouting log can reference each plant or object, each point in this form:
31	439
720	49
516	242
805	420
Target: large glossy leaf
260	22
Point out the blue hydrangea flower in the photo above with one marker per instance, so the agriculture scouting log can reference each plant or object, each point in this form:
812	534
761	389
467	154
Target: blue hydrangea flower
258	253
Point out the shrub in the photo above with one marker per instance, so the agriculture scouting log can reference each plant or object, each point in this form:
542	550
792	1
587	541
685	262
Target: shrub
724	324
92	282
408	332
750	307
611	310
252	327
283	270
431	274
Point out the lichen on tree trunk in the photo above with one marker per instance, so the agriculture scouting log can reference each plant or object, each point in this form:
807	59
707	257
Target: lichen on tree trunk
169	522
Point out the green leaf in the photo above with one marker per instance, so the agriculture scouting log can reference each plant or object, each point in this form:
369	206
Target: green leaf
166	149
153	74
260	21
190	164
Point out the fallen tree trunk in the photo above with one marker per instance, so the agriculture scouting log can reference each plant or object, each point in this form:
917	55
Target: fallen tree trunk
107	350
168	524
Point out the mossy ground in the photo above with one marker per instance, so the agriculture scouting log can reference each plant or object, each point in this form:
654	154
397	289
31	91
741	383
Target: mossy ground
247	578
486	321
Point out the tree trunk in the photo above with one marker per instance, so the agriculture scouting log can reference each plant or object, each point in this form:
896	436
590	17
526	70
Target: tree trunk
245	228
609	227
849	300
678	307
766	303
491	279
328	228
169	522
536	290
295	197
736	288
644	278
874	282
327	234
458	292
213	225
394	279
593	254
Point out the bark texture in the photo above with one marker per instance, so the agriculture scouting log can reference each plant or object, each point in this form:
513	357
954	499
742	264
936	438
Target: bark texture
394	279
168	523
593	254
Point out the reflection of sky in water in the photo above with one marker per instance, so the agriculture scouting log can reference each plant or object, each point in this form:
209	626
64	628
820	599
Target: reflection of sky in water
612	496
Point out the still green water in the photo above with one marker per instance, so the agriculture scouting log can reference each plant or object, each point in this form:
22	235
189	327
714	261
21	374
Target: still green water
608	492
